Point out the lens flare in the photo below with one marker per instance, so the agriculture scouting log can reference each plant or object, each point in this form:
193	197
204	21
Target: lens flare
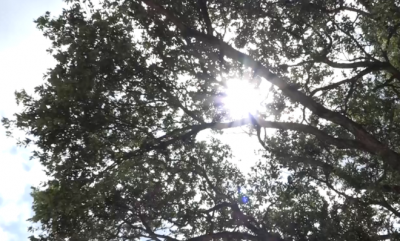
241	99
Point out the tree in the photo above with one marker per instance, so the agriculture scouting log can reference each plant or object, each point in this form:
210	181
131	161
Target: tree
115	124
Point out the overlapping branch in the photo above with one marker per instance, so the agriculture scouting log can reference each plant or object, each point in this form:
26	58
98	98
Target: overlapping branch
322	136
369	141
350	80
328	168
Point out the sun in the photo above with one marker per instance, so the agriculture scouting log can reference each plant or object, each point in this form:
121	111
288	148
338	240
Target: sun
241	98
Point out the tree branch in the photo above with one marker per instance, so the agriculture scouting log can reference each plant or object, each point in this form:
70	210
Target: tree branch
225	236
392	31
152	233
336	10
206	16
348	96
350	35
320	135
377	65
366	4
385	84
364	201
361	64
217	207
387	236
355	183
337	84
370	142
361	12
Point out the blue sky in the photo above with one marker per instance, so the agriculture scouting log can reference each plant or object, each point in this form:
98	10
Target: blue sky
23	60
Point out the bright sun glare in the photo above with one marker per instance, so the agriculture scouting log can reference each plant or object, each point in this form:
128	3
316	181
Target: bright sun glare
241	98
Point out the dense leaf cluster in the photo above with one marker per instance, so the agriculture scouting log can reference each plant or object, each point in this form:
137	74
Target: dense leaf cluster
115	123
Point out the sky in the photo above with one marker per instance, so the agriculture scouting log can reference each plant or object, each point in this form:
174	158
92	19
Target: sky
23	60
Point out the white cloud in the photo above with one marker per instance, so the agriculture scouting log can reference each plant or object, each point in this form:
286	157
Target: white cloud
4	235
23	60
14	212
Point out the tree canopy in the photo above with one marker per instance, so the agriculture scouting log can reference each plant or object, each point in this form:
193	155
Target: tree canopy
115	122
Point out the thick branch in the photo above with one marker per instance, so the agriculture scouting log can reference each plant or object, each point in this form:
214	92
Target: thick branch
387	236
217	207
186	132
351	65
320	135
377	65
361	12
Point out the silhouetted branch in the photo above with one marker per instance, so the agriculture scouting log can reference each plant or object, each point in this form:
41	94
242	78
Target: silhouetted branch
355	183
217	207
387	236
225	236
370	142
350	80
348	96
206	16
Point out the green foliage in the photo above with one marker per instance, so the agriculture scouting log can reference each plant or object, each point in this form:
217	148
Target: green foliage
116	120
